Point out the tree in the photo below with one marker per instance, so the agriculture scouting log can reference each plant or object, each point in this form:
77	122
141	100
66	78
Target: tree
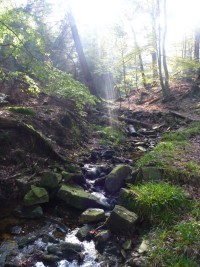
81	55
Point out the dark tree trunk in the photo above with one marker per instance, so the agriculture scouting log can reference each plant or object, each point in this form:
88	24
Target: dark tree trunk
84	66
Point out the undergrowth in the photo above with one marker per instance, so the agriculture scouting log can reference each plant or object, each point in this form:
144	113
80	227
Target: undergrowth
22	110
160	203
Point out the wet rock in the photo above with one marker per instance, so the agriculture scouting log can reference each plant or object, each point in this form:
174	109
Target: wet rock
50	180
103	236
121	220
100	181
16	230
83	232
91	171
92	215
77	178
108	154
7	248
36	195
115	179
65	247
149	173
29	212
76	197
132	178
49	258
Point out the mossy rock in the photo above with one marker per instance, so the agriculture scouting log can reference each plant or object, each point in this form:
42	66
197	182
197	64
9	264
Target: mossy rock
115	179
92	215
36	195
149	173
50	180
76	197
74	177
122	220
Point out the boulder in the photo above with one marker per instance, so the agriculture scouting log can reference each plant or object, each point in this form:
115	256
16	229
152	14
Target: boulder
149	173
24	183
115	179
36	195
92	215
29	212
83	232
76	197
77	178
121	220
103	236
50	180
64	247
124	199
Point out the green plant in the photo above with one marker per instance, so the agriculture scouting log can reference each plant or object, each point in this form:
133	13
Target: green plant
22	110
192	130
159	203
178	246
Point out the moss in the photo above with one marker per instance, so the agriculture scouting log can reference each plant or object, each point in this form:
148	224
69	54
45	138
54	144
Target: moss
22	110
192	130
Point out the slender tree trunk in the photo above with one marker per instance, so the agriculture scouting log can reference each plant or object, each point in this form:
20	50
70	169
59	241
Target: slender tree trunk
162	53
84	66
124	73
167	90
154	65
196	44
140	59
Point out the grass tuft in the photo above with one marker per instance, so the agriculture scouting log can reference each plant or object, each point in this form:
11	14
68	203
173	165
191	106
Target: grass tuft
160	203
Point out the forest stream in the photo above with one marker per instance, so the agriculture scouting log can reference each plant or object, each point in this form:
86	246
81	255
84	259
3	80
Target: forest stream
59	237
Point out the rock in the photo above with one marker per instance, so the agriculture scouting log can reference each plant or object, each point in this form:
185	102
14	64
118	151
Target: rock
29	212
50	258
124	199
144	247
7	248
36	195
64	247
77	178
127	244
50	180
100	181
132	178
83	232
121	220
108	154
115	179
76	197
24	183
149	173
92	215
103	236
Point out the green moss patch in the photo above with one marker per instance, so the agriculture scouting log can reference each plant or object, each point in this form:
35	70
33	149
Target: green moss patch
22	110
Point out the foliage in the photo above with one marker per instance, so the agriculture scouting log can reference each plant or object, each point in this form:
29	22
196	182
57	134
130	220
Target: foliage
109	134
189	132
158	202
22	110
185	68
178	246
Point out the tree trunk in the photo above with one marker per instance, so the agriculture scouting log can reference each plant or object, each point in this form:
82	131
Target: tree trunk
196	44
84	66
162	53
140	59
167	90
